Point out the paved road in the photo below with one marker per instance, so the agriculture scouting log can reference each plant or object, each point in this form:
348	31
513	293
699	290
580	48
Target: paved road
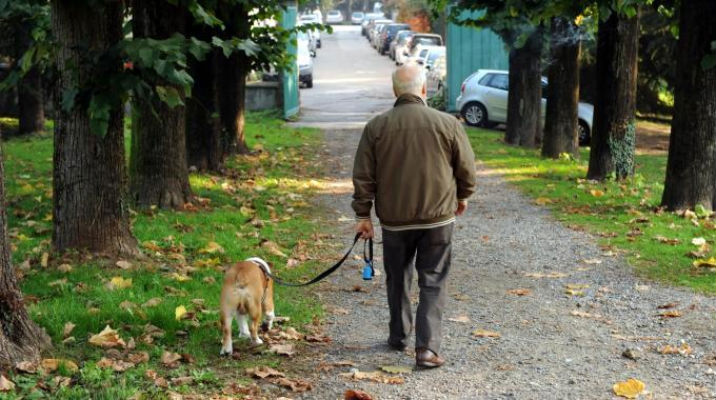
351	82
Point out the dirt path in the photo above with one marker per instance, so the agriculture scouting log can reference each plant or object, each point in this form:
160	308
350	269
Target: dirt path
551	344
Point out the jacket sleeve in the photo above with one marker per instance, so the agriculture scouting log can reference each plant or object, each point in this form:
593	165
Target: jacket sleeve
364	180
463	164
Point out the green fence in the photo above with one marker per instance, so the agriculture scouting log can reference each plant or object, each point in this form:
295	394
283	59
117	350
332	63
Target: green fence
289	78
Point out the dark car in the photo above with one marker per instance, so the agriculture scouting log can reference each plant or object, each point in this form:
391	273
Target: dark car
389	34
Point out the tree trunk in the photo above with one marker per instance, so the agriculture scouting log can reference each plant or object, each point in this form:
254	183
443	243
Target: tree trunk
525	94
20	338
203	126
561	122
89	172
159	171
232	73
30	99
691	168
614	134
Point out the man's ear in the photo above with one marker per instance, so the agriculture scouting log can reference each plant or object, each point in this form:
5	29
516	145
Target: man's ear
395	92
424	90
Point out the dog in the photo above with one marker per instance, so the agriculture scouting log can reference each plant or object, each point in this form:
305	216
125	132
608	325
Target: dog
247	292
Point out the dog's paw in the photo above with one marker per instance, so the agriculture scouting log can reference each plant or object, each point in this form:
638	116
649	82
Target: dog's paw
226	351
258	341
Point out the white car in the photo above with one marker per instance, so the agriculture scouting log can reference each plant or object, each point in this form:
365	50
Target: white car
483	102
334	17
312	19
357	18
305	63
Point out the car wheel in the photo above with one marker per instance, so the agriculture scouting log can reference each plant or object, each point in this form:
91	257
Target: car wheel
309	82
474	114
583	133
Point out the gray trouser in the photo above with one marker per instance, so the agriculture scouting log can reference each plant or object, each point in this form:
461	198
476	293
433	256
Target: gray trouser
431	250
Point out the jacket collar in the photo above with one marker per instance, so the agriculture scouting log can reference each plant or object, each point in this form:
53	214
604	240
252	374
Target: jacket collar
408	98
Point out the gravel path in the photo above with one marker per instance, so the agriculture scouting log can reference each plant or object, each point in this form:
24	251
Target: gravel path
551	344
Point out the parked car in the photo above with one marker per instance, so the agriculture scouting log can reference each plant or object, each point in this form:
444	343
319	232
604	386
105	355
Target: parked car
373	28
305	63
483	102
434	52
435	75
401	48
425	39
387	36
357	17
399	40
310	39
377	31
312	19
370	17
334	17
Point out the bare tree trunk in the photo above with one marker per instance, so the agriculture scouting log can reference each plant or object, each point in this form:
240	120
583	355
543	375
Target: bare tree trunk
20	338
232	89
159	172
614	138
30	97
560	128
89	173
203	126
525	94
691	169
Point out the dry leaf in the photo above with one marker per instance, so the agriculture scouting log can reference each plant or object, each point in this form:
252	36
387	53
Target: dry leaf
356	395
264	372
179	277
44	261
545	275
122	264
462	319
170	359
698	241
52	364
64	268
597	317
182	380
630	389
272	248
519	292
596	193
107	338
684	349
138	357
481	333
116	365
6	385
667	306
397	369
153	302
179	312
211	248
592	261
67	330
543	201
127	305
282	349
710	263
666	240
670	314
296	385
27	367
118	282
292	263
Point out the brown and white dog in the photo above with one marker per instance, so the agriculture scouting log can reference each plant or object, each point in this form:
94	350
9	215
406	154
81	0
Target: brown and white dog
246	293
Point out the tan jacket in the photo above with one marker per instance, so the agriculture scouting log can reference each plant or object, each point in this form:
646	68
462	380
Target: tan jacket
415	163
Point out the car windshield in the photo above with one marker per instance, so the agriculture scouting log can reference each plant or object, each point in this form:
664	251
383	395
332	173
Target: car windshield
357	15
333	13
429	41
434	55
309	17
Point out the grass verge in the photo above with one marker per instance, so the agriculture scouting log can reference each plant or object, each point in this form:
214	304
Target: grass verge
262	201
625	215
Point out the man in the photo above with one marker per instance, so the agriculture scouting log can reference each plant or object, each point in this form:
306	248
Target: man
417	165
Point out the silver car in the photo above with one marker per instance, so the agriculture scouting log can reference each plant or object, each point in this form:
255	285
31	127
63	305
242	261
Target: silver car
483	102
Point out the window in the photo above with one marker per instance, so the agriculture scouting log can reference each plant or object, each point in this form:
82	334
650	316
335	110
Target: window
483	81
500	81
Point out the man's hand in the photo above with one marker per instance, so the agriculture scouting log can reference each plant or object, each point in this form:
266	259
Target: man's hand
365	228
461	207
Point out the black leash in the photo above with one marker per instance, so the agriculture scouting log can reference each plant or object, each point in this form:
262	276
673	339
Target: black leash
324	274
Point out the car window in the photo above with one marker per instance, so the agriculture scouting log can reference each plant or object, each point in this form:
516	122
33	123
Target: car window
500	81
483	81
423	53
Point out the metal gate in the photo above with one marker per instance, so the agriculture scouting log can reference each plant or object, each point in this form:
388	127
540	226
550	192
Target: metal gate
289	77
470	49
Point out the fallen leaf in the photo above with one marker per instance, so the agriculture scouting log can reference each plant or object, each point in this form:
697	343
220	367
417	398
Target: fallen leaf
64	268
481	333
138	357
462	319
182	380
118	282
52	364
670	314
44	261
211	248
107	338
545	275
592	261
630	389
396	369
153	302
67	330
374	376
665	240
292	263
6	385
597	317
179	312
122	264
667	306
272	248
356	395
296	385
27	367
543	201
519	292
179	277
152	246
596	193
684	349
116	365
282	349
698	241
127	305
233	388
170	359
290	334
264	372
710	263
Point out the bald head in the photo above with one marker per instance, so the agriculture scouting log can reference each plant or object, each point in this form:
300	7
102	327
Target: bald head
409	78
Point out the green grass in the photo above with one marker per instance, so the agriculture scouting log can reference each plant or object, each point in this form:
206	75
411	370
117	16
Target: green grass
274	186
625	214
